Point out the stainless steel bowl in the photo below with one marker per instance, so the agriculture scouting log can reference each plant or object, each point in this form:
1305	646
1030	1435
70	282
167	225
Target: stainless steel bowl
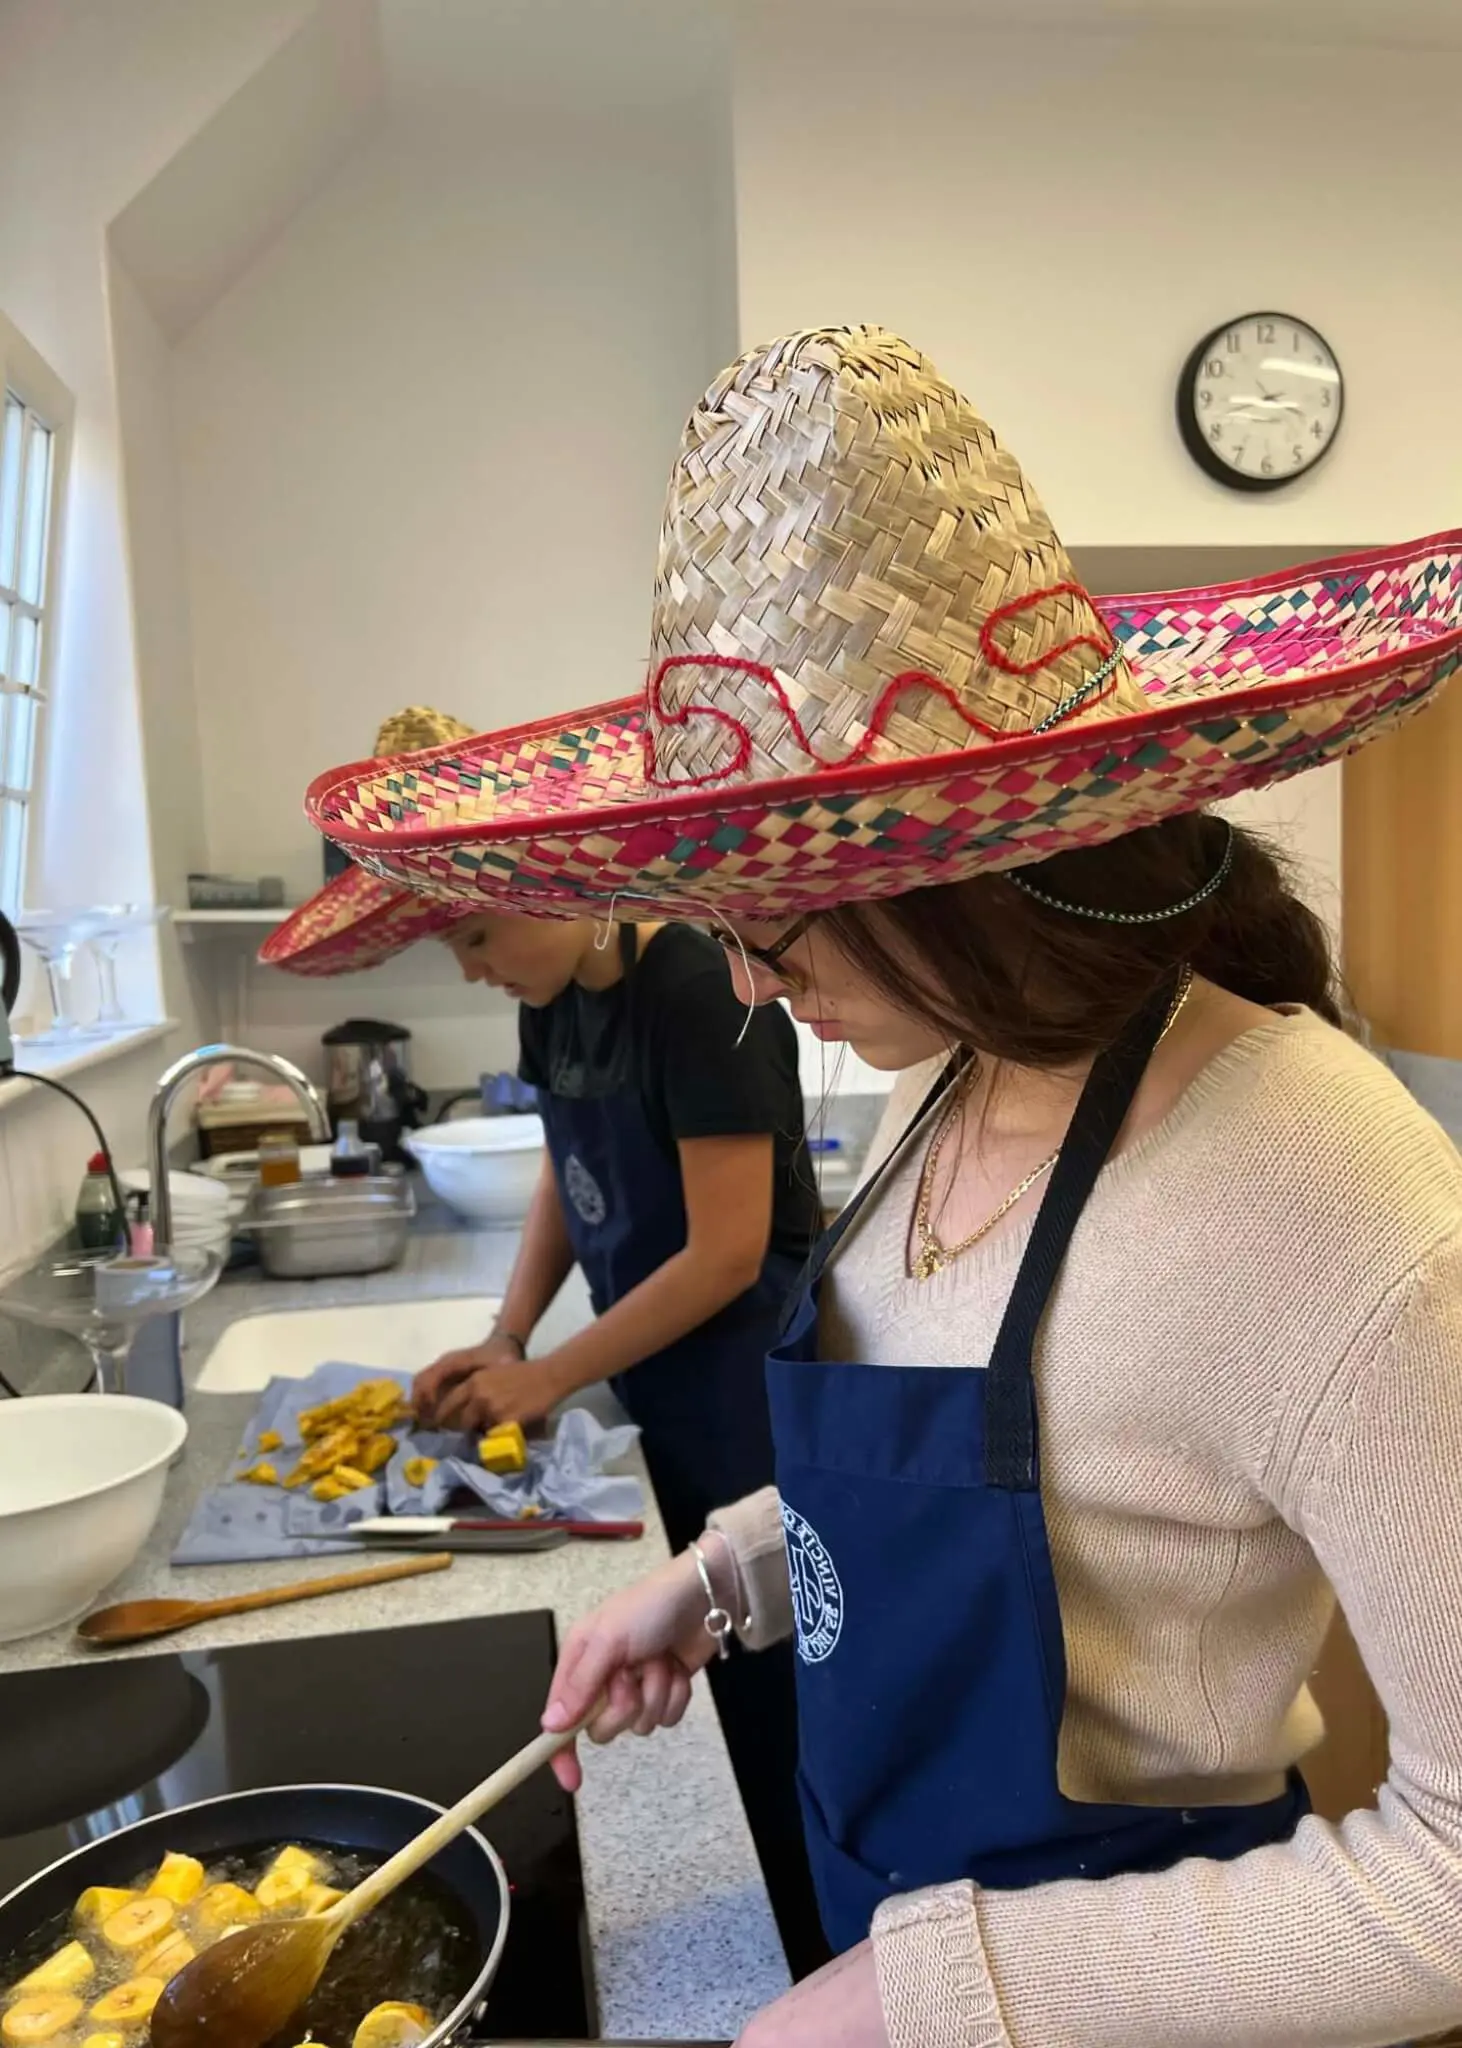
319	1229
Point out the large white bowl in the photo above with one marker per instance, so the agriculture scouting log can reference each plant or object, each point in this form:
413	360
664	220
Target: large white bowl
81	1484
484	1167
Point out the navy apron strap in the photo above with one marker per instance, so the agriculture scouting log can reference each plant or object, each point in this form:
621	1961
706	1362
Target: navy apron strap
1010	1402
848	1215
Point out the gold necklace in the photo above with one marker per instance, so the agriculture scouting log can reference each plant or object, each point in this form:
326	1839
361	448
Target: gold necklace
932	1256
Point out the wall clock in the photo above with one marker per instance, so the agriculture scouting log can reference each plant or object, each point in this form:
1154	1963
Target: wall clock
1259	401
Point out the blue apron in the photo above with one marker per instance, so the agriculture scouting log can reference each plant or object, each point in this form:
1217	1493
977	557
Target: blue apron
931	1671
705	1427
700	1403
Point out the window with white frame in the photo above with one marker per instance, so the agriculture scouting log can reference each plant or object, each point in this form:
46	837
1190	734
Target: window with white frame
35	430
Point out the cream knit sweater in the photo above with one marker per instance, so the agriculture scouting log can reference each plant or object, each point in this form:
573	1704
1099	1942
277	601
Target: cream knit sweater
1250	1385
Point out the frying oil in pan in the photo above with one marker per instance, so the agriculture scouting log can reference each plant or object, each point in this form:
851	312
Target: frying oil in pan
419	1947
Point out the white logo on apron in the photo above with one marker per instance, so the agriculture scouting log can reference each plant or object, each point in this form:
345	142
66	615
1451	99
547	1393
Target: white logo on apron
584	1191
817	1593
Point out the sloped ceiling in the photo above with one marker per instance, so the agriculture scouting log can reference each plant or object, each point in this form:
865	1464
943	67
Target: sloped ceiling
224	197
228	192
575	56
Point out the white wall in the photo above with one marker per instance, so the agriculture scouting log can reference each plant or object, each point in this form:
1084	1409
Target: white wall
457	1032
95	95
45	1144
162	630
423	445
1058	219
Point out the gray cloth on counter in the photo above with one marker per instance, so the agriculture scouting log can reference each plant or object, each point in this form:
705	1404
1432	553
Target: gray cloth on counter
235	1522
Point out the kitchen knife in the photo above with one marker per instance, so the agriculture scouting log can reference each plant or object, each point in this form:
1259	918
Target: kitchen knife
441	1525
472	1532
515	1536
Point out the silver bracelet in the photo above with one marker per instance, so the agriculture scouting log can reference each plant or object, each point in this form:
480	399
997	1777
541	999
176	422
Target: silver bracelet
718	1623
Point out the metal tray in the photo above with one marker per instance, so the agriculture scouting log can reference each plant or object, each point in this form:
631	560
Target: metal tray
320	1229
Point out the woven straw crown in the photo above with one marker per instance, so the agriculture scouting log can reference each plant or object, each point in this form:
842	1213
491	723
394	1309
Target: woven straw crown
408	731
841	516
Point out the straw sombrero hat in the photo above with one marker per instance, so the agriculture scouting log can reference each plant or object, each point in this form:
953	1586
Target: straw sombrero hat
357	921
872	668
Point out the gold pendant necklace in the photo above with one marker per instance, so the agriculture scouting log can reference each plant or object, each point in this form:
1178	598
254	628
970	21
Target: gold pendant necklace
932	1255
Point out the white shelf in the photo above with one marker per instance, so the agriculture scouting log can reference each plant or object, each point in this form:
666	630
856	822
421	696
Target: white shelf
227	917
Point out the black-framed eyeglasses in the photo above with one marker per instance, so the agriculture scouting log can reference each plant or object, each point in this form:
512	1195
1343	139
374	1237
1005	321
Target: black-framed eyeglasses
769	957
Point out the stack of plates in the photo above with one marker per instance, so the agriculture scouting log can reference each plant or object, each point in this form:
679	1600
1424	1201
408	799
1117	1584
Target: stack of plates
202	1212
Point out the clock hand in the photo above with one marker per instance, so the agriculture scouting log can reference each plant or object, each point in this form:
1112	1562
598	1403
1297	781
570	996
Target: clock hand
1260	407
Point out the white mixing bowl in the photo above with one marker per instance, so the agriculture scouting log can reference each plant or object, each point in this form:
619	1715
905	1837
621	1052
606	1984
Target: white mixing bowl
484	1167
81	1484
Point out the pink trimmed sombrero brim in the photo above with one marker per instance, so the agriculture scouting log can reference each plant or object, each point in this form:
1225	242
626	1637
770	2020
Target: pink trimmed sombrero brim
1248	683
356	921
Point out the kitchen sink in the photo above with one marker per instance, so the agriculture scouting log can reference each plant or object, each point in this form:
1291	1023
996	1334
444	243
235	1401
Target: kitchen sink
288	1344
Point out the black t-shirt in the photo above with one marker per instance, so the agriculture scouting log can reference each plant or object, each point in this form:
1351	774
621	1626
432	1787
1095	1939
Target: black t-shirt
670	1030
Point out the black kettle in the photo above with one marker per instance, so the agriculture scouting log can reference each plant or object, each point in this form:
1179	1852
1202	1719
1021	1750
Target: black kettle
9	989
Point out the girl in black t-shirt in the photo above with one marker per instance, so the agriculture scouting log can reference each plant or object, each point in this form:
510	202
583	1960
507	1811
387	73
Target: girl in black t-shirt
677	1177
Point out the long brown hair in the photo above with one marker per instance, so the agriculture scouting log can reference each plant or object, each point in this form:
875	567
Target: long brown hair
991	968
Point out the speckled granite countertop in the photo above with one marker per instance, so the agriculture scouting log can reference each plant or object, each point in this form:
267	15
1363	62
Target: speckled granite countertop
685	1947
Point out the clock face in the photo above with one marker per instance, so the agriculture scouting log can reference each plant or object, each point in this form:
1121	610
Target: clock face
1259	401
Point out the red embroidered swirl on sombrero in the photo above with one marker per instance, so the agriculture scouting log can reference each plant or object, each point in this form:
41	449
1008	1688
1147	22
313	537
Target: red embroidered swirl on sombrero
883	707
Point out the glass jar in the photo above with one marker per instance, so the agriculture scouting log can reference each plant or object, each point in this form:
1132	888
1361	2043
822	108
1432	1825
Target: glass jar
279	1159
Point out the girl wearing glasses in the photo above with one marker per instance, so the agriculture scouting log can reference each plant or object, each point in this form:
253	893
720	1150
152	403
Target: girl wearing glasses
1141	1343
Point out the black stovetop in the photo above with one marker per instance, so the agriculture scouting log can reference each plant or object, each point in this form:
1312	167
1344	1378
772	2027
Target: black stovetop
91	1747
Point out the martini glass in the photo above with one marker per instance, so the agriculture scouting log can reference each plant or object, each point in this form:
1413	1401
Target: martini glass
103	1300
56	937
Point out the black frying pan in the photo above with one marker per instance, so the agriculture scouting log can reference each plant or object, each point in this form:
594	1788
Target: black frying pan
354	1818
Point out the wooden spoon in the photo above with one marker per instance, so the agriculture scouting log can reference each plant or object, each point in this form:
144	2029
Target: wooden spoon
133	1621
243	1990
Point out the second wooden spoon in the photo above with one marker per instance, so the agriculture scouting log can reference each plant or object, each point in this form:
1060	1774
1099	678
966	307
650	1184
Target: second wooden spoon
133	1621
